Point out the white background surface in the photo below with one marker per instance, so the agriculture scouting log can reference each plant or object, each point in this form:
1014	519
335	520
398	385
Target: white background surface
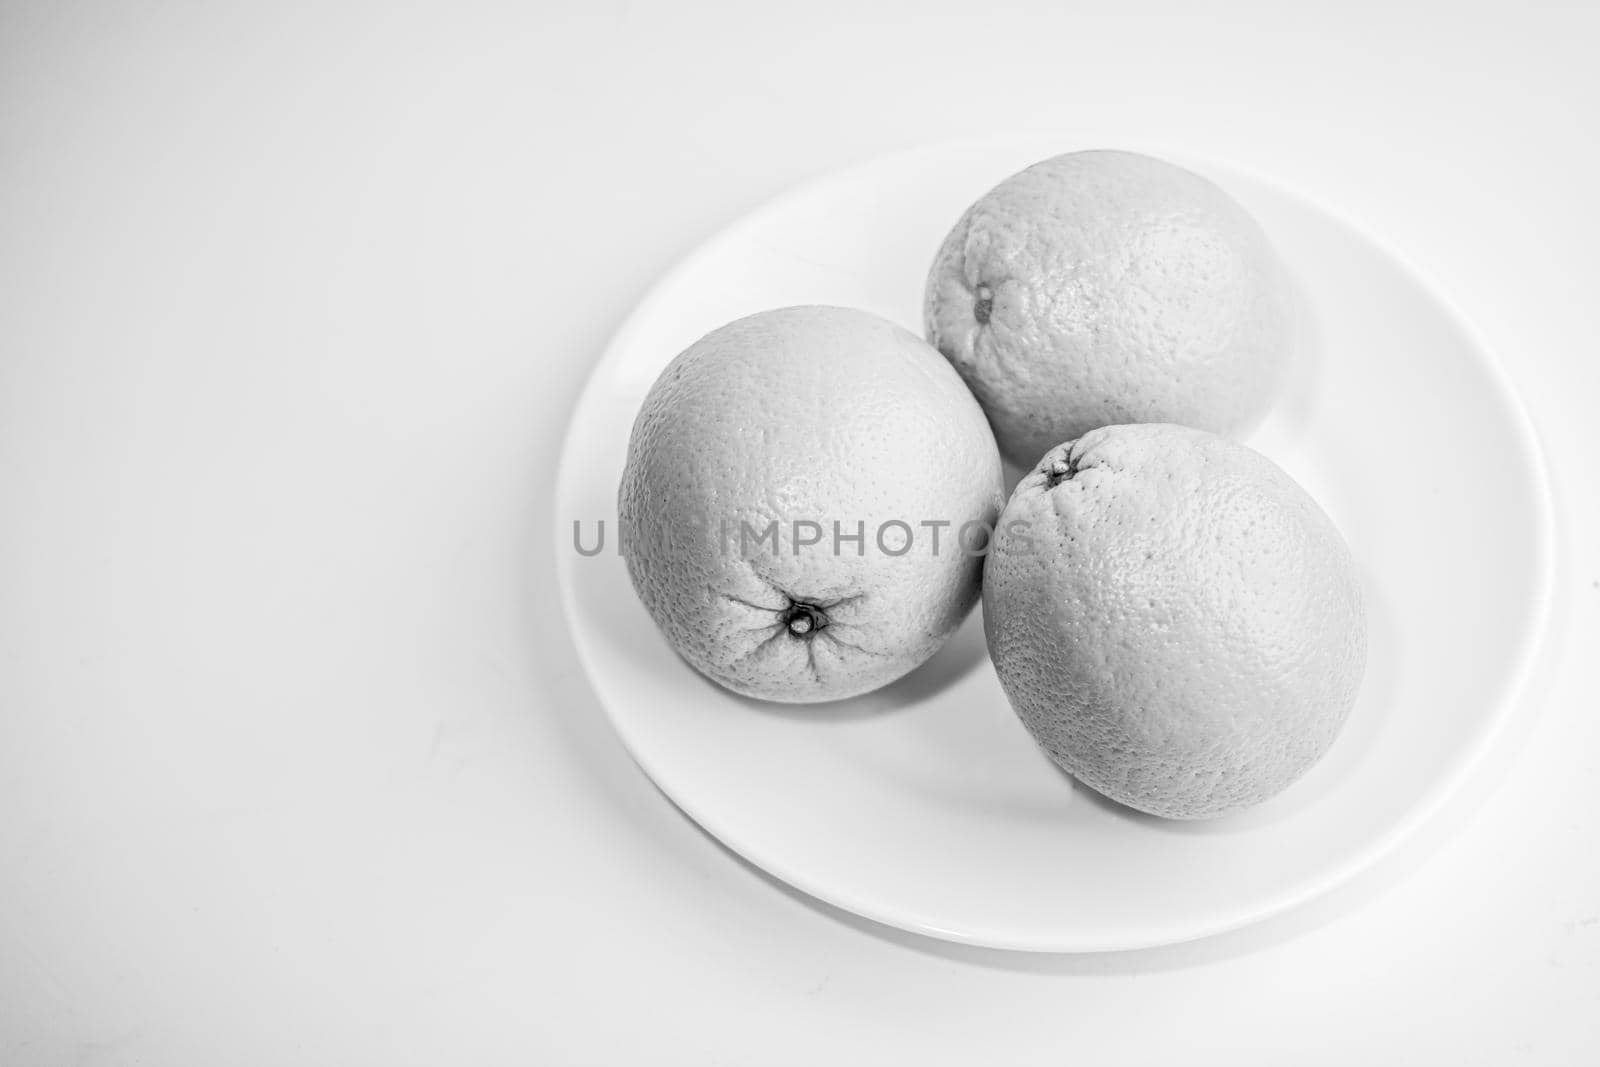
296	765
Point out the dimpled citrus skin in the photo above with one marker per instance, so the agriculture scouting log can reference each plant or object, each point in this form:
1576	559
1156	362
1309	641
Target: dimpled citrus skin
822	415
1176	621
1117	288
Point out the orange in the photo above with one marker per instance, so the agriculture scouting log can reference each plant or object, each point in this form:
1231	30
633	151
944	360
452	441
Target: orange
1099	288
791	504
1173	618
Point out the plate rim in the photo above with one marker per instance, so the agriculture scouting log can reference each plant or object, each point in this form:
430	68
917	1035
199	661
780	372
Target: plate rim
1382	846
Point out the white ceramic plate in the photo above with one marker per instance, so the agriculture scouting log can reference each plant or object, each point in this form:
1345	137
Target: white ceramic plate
926	805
